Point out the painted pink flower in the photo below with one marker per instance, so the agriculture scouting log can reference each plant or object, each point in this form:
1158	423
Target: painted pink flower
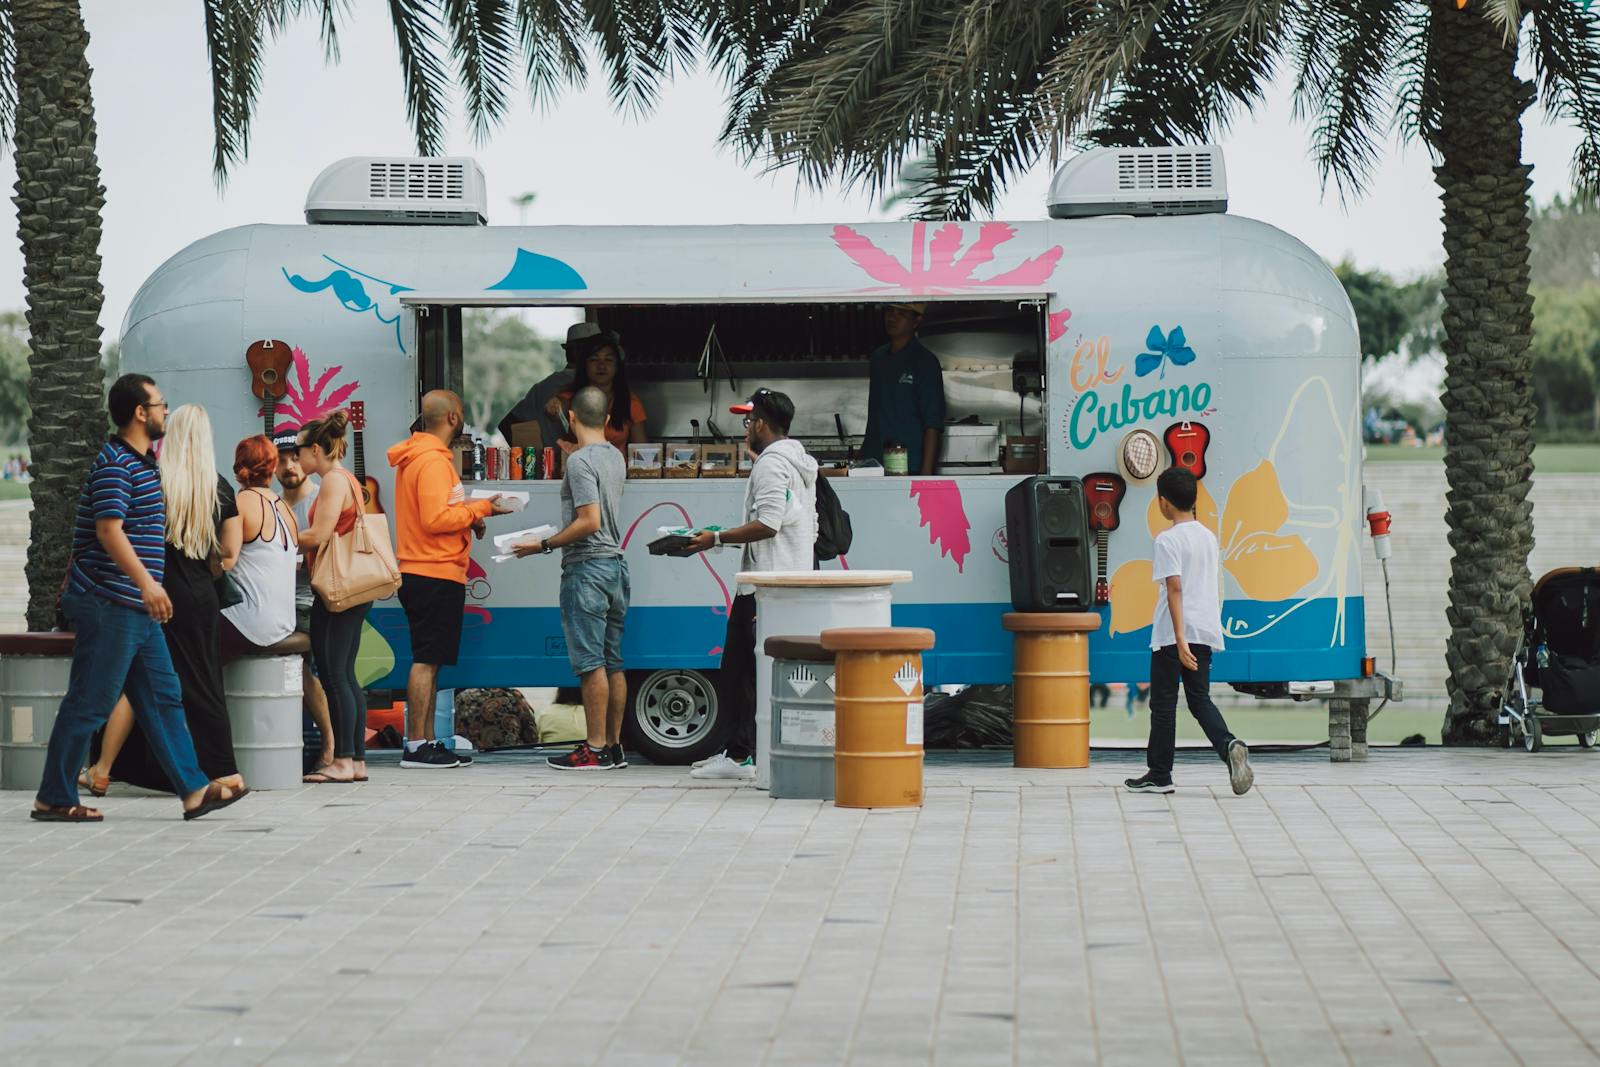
306	400
939	502
939	265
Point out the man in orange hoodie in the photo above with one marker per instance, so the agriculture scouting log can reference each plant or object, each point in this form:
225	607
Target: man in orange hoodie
434	523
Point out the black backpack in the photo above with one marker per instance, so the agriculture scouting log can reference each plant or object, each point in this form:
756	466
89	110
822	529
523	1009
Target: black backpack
833	523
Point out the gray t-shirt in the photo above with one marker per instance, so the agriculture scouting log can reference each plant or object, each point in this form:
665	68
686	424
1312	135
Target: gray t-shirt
595	474
302	574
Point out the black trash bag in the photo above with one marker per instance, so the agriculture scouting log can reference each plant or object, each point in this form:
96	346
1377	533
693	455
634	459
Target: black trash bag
1571	685
977	717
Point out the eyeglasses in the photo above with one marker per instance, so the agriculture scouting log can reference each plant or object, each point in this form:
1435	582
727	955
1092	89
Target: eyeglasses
747	421
154	404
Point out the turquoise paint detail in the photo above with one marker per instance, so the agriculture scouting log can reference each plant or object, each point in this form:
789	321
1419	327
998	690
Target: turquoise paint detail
533	271
1090	418
347	285
1163	347
524	646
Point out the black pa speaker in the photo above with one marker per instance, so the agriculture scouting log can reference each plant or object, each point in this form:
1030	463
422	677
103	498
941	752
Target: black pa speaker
1047	537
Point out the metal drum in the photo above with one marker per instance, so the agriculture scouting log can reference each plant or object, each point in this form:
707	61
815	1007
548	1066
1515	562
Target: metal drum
878	700
264	708
1050	677
34	670
802	718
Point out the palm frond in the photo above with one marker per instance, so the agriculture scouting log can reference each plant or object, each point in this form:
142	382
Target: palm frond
641	42
1564	40
483	42
552	32
8	75
416	38
234	33
1082	75
1506	14
1348	51
1418	93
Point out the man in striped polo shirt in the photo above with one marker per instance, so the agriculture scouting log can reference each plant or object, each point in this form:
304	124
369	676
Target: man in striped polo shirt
116	605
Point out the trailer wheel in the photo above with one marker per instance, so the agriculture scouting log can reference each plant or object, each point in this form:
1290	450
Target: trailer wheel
1587	739
1532	737
673	715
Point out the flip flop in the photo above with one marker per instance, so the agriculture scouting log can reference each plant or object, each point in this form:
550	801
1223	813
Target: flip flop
76	813
98	786
214	801
323	778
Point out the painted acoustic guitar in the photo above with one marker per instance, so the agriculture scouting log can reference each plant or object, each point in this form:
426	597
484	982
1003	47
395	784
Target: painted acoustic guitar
370	502
1103	493
1187	443
269	363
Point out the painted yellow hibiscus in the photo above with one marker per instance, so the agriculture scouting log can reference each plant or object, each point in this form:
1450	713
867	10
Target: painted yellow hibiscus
1266	564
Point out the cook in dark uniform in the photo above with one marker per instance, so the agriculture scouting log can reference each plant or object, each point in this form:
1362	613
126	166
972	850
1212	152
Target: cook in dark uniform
905	402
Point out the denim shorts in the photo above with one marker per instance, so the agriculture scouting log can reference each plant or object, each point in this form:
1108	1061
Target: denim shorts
594	601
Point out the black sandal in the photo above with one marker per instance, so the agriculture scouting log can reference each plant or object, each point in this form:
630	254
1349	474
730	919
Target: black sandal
214	801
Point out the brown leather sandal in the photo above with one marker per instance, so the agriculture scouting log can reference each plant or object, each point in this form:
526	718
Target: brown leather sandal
98	786
214	801
75	813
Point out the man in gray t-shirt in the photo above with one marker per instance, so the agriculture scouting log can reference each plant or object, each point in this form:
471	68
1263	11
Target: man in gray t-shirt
594	582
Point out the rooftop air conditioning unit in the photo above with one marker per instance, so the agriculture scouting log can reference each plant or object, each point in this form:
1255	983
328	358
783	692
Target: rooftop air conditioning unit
444	191
1141	181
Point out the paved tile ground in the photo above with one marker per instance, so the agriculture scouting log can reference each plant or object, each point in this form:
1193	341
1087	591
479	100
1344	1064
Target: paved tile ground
1426	907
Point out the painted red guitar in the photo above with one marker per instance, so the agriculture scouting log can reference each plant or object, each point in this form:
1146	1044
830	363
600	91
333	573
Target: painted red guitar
369	486
1103	493
1187	443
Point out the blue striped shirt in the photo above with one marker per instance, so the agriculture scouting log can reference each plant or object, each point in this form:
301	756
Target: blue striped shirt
123	484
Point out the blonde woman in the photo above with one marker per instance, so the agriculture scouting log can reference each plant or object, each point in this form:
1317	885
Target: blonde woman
203	531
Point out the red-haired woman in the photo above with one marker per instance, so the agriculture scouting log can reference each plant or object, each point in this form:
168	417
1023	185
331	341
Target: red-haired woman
267	561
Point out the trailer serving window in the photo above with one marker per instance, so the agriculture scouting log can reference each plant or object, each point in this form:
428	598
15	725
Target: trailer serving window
687	361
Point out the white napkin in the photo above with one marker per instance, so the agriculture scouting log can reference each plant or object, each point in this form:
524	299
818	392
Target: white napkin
514	500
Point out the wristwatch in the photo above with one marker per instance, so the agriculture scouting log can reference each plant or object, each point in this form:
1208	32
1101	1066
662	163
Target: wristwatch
545	548
716	538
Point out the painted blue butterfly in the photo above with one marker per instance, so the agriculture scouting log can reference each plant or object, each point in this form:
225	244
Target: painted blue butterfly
1173	346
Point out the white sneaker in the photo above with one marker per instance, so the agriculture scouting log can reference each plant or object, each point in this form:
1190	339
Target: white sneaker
697	764
721	767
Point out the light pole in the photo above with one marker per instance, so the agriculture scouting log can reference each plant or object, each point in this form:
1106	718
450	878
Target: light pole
522	201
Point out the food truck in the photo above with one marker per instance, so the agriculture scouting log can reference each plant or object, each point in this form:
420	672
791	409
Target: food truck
1140	324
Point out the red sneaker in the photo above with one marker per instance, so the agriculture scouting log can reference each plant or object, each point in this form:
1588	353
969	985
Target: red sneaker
582	758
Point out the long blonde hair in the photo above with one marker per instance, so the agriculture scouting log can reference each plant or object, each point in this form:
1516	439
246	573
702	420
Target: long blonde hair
189	482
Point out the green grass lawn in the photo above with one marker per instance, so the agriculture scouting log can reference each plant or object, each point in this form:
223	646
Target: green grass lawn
10	490
1548	459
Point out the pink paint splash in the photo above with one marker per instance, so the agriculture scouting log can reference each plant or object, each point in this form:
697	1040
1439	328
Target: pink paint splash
307	402
1058	323
727	600
936	266
939	501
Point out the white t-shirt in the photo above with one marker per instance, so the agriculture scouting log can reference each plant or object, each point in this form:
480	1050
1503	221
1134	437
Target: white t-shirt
1188	551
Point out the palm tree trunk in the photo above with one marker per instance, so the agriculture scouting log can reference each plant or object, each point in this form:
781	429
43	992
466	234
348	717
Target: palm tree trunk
59	197
1488	396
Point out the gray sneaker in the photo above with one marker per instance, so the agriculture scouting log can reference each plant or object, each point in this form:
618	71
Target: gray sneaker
1239	773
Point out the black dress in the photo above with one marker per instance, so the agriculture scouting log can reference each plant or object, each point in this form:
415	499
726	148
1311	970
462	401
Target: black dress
194	640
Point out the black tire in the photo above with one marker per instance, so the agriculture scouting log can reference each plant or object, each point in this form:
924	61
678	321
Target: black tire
673	716
1533	737
1587	739
1505	736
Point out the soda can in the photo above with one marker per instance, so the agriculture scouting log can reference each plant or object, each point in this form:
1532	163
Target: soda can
491	463
530	463
549	463
505	462
514	471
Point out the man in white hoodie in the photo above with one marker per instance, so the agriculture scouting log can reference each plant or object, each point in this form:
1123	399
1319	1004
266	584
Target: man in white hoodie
779	534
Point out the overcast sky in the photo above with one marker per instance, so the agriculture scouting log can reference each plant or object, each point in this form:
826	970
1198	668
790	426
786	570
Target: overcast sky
587	163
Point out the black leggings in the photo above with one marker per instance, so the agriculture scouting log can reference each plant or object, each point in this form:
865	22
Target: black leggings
335	638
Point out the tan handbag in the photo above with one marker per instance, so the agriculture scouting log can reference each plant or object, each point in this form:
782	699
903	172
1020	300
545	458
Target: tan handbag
358	567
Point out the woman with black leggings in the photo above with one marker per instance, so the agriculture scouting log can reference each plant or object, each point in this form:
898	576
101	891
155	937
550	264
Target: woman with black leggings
335	635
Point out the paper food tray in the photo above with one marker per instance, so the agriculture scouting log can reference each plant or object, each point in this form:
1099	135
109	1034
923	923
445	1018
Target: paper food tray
503	542
516	501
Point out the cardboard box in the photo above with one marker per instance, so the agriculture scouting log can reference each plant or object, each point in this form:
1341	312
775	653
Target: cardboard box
644	459
526	435
1024	455
682	461
719	461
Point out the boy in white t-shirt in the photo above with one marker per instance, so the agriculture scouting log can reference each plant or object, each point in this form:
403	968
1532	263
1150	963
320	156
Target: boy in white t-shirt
1186	629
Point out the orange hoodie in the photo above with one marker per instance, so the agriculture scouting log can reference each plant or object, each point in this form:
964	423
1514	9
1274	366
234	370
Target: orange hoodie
432	516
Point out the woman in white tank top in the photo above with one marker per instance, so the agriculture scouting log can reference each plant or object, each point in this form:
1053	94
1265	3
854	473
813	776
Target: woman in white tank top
265	570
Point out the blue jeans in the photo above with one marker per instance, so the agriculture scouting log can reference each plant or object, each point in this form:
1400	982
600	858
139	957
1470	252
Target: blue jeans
118	650
594	602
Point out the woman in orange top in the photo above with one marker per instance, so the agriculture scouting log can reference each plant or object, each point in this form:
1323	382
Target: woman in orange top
602	367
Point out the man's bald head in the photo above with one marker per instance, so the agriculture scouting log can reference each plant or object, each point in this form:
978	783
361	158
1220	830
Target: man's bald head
437	407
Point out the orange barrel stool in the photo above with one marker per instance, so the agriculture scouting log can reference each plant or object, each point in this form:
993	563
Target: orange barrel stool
877	752
1051	687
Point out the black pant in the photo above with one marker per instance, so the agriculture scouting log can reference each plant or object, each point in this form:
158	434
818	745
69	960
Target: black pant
335	639
1165	675
736	682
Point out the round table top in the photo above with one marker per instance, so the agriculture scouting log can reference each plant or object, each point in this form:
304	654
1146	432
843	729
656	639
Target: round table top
820	579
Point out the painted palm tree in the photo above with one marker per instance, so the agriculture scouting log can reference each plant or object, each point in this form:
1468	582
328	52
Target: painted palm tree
947	101
47	114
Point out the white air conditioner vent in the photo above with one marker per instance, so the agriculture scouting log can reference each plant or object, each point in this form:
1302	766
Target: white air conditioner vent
396	191
1168	180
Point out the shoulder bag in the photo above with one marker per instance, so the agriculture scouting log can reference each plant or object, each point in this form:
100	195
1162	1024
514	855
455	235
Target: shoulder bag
357	567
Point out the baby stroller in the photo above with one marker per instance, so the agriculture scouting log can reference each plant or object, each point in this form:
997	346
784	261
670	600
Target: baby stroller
1559	655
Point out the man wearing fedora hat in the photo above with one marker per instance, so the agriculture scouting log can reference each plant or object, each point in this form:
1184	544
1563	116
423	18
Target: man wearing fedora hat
905	394
581	337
